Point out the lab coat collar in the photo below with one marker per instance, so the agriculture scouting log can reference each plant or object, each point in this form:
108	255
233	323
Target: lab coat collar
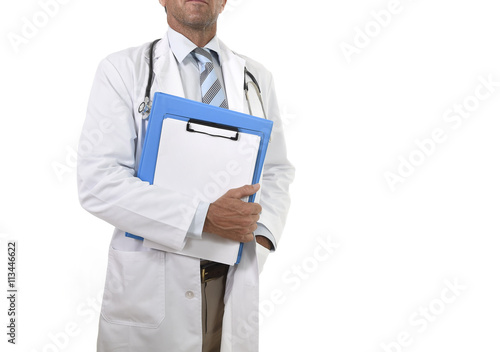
168	79
181	46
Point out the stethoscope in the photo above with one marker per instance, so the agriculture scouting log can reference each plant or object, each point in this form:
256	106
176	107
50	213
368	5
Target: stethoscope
145	106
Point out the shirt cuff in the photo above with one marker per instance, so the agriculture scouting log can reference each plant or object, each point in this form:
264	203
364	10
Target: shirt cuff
196	228
264	231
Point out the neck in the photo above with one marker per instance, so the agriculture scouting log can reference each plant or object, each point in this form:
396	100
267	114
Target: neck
200	36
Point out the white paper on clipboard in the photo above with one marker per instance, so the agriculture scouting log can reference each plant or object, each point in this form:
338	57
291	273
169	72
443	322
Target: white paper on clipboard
204	162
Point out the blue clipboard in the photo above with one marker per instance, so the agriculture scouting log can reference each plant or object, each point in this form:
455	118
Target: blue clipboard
173	107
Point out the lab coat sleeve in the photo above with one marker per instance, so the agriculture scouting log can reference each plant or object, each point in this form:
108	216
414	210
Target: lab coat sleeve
107	182
278	172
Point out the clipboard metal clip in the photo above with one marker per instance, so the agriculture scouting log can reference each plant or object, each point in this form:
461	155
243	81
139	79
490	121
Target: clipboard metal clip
212	129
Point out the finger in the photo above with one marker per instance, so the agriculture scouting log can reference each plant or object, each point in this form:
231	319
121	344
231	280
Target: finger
246	238
254	227
249	223
243	191
253	208
245	209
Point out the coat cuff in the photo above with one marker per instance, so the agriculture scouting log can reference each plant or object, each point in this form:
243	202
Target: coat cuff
196	228
262	230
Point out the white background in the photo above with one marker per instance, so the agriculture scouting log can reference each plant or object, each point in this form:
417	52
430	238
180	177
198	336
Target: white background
347	124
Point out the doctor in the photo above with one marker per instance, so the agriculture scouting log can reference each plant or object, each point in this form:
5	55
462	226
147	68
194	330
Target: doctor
153	300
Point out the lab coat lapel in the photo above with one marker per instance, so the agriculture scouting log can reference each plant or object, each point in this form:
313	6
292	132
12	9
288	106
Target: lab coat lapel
233	68
167	77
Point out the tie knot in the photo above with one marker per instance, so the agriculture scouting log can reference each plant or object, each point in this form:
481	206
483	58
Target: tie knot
202	55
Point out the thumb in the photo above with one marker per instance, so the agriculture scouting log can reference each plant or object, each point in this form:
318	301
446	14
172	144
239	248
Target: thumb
243	191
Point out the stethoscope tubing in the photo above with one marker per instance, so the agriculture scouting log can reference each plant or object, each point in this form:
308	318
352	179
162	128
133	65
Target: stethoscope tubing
145	106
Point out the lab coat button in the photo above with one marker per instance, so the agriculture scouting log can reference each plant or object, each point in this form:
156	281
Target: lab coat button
189	294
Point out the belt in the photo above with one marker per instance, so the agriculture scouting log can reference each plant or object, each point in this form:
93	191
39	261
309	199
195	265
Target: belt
212	270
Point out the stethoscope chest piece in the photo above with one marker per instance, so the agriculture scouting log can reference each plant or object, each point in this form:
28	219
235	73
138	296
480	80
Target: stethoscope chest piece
145	108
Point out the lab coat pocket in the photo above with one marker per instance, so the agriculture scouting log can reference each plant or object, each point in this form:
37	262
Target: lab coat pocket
134	292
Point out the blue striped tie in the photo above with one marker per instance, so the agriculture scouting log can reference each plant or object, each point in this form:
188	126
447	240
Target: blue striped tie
211	89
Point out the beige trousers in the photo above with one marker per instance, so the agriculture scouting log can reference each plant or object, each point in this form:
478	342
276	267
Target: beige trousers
212	294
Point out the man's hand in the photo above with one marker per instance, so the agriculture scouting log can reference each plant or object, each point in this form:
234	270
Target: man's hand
232	218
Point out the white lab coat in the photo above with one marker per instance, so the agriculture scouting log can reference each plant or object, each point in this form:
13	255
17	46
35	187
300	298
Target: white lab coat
152	299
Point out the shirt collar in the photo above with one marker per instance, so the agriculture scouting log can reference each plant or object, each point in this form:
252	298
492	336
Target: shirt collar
182	46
